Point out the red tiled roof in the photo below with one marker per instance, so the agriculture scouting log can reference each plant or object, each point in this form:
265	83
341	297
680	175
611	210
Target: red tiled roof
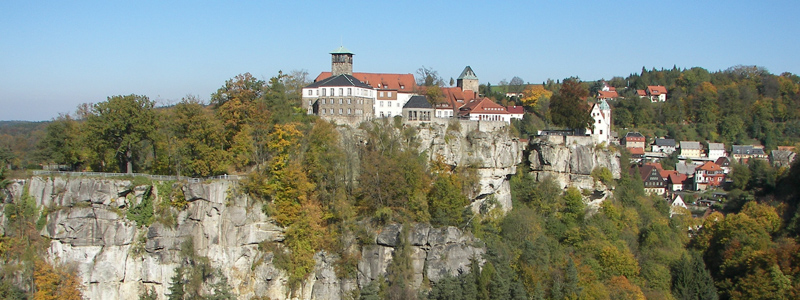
710	166
398	82
656	90
641	93
456	97
677	178
606	95
636	150
484	106
515	109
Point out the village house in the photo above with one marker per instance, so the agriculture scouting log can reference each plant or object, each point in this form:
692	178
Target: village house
634	142
742	153
782	157
724	163
601	131
418	109
484	109
716	150
691	149
653	183
666	146
657	93
708	175
515	112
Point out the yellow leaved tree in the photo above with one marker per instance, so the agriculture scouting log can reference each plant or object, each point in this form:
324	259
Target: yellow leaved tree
533	93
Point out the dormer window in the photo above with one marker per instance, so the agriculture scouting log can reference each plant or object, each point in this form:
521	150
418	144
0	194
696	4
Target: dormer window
402	87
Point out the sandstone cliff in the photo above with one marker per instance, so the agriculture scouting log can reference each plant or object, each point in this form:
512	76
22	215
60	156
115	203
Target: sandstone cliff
117	260
570	160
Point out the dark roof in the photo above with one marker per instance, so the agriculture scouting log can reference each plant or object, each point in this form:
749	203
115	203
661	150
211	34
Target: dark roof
747	150
340	80
468	74
634	134
665	142
418	102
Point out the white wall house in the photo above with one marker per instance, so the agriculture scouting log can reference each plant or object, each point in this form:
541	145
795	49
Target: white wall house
601	113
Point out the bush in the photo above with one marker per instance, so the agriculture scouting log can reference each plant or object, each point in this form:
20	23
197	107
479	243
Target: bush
603	175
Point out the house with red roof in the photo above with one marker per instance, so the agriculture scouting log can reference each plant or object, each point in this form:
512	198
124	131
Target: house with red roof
484	109
708	175
657	93
607	95
515	112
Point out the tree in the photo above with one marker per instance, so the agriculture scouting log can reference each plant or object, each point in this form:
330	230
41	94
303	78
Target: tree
196	143
516	85
61	143
691	280
428	77
121	124
568	107
533	93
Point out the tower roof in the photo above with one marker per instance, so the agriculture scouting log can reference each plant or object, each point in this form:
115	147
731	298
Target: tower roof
604	105
468	74
342	50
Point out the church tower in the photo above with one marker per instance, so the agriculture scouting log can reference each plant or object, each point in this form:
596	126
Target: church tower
467	80
341	61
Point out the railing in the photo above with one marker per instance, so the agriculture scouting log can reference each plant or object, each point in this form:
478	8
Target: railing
150	176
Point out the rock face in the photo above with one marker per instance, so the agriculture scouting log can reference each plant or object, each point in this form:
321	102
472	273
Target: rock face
570	160
435	252
116	259
484	145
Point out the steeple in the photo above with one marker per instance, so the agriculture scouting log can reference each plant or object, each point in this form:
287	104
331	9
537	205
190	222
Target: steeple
341	61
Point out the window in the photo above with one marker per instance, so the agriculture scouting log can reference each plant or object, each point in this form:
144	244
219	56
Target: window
323	92
323	101
310	92
341	92
388	94
349	91
340	100
331	110
402	87
317	92
381	103
340	111
348	100
309	103
348	111
331	92
323	111
380	94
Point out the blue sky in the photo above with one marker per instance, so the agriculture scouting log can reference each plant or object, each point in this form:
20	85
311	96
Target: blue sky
55	55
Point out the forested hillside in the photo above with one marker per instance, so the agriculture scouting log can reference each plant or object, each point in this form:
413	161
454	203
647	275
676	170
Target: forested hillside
323	188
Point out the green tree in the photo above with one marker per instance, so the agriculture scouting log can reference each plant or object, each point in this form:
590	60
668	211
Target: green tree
61	143
691	280
196	141
121	124
568	107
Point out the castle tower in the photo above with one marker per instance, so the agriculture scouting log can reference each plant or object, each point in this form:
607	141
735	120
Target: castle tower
341	61
467	80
